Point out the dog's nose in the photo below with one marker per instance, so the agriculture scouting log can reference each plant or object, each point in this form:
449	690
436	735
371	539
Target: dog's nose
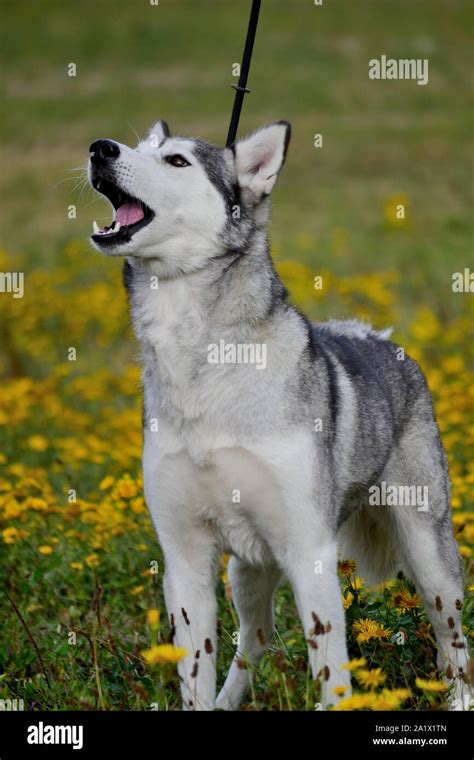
102	150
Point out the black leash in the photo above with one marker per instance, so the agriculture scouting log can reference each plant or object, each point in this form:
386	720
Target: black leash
241	87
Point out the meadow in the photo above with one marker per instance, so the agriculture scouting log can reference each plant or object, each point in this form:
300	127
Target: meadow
83	619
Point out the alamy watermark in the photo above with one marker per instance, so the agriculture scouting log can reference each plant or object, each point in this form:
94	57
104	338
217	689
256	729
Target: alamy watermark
12	282
237	353
403	68
54	734
385	495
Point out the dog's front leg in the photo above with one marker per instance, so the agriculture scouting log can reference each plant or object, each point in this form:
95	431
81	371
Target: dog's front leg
189	586
313	575
189	581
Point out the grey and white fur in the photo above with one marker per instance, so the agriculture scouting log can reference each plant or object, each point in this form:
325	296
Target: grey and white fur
238	464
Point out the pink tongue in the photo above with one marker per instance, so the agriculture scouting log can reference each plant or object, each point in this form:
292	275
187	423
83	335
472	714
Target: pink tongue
129	213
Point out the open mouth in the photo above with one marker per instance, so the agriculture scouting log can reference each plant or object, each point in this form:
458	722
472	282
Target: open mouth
131	214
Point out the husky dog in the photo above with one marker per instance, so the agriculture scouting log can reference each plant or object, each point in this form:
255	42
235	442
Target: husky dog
271	462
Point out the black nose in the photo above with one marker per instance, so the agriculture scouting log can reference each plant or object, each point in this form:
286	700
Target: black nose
102	150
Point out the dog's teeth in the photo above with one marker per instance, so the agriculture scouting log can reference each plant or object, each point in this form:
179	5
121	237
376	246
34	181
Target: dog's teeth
95	228
117	226
99	182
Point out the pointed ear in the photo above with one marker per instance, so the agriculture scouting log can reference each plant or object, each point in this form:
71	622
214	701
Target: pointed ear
260	157
159	132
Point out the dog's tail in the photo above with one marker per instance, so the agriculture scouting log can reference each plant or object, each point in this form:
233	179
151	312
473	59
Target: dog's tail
368	540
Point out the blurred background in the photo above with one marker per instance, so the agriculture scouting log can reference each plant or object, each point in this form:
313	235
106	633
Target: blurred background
75	424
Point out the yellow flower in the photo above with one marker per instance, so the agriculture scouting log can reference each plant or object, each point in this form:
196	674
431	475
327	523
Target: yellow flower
17	469
38	443
106	483
3	458
45	550
425	327
453	365
370	679
12	509
76	565
163	653
357	702
92	560
126	488
391	700
354	664
405	601
137	590
465	551
34	502
370	629
385	700
339	690
347	600
225	564
347	567
10	535
153	618
430	685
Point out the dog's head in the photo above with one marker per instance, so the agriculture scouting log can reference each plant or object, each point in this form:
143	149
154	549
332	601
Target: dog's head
182	201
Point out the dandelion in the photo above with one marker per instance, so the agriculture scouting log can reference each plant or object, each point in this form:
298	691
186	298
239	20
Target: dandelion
92	560
153	618
347	567
46	550
76	565
391	699
163	653
354	664
370	679
225	568
127	489
347	600
137	590
385	700
357	702
430	685
405	601
106	483
37	443
10	535
339	691
366	630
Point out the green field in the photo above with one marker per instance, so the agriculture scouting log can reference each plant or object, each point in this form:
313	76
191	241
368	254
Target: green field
76	612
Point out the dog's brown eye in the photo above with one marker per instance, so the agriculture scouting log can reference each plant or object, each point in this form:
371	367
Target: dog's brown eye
177	160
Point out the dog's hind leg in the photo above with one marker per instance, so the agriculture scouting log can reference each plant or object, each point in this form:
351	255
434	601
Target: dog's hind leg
430	559
252	591
427	549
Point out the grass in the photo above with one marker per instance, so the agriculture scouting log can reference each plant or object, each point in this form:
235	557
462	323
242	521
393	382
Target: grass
78	572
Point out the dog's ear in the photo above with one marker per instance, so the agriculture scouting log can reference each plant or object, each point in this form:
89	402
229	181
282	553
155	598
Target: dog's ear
260	157
160	131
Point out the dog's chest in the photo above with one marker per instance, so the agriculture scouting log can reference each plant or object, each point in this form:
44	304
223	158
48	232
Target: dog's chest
241	493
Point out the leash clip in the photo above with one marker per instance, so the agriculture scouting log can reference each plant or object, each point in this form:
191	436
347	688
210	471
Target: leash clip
239	88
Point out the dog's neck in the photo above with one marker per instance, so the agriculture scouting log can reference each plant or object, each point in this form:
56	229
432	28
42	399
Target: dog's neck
234	299
232	292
